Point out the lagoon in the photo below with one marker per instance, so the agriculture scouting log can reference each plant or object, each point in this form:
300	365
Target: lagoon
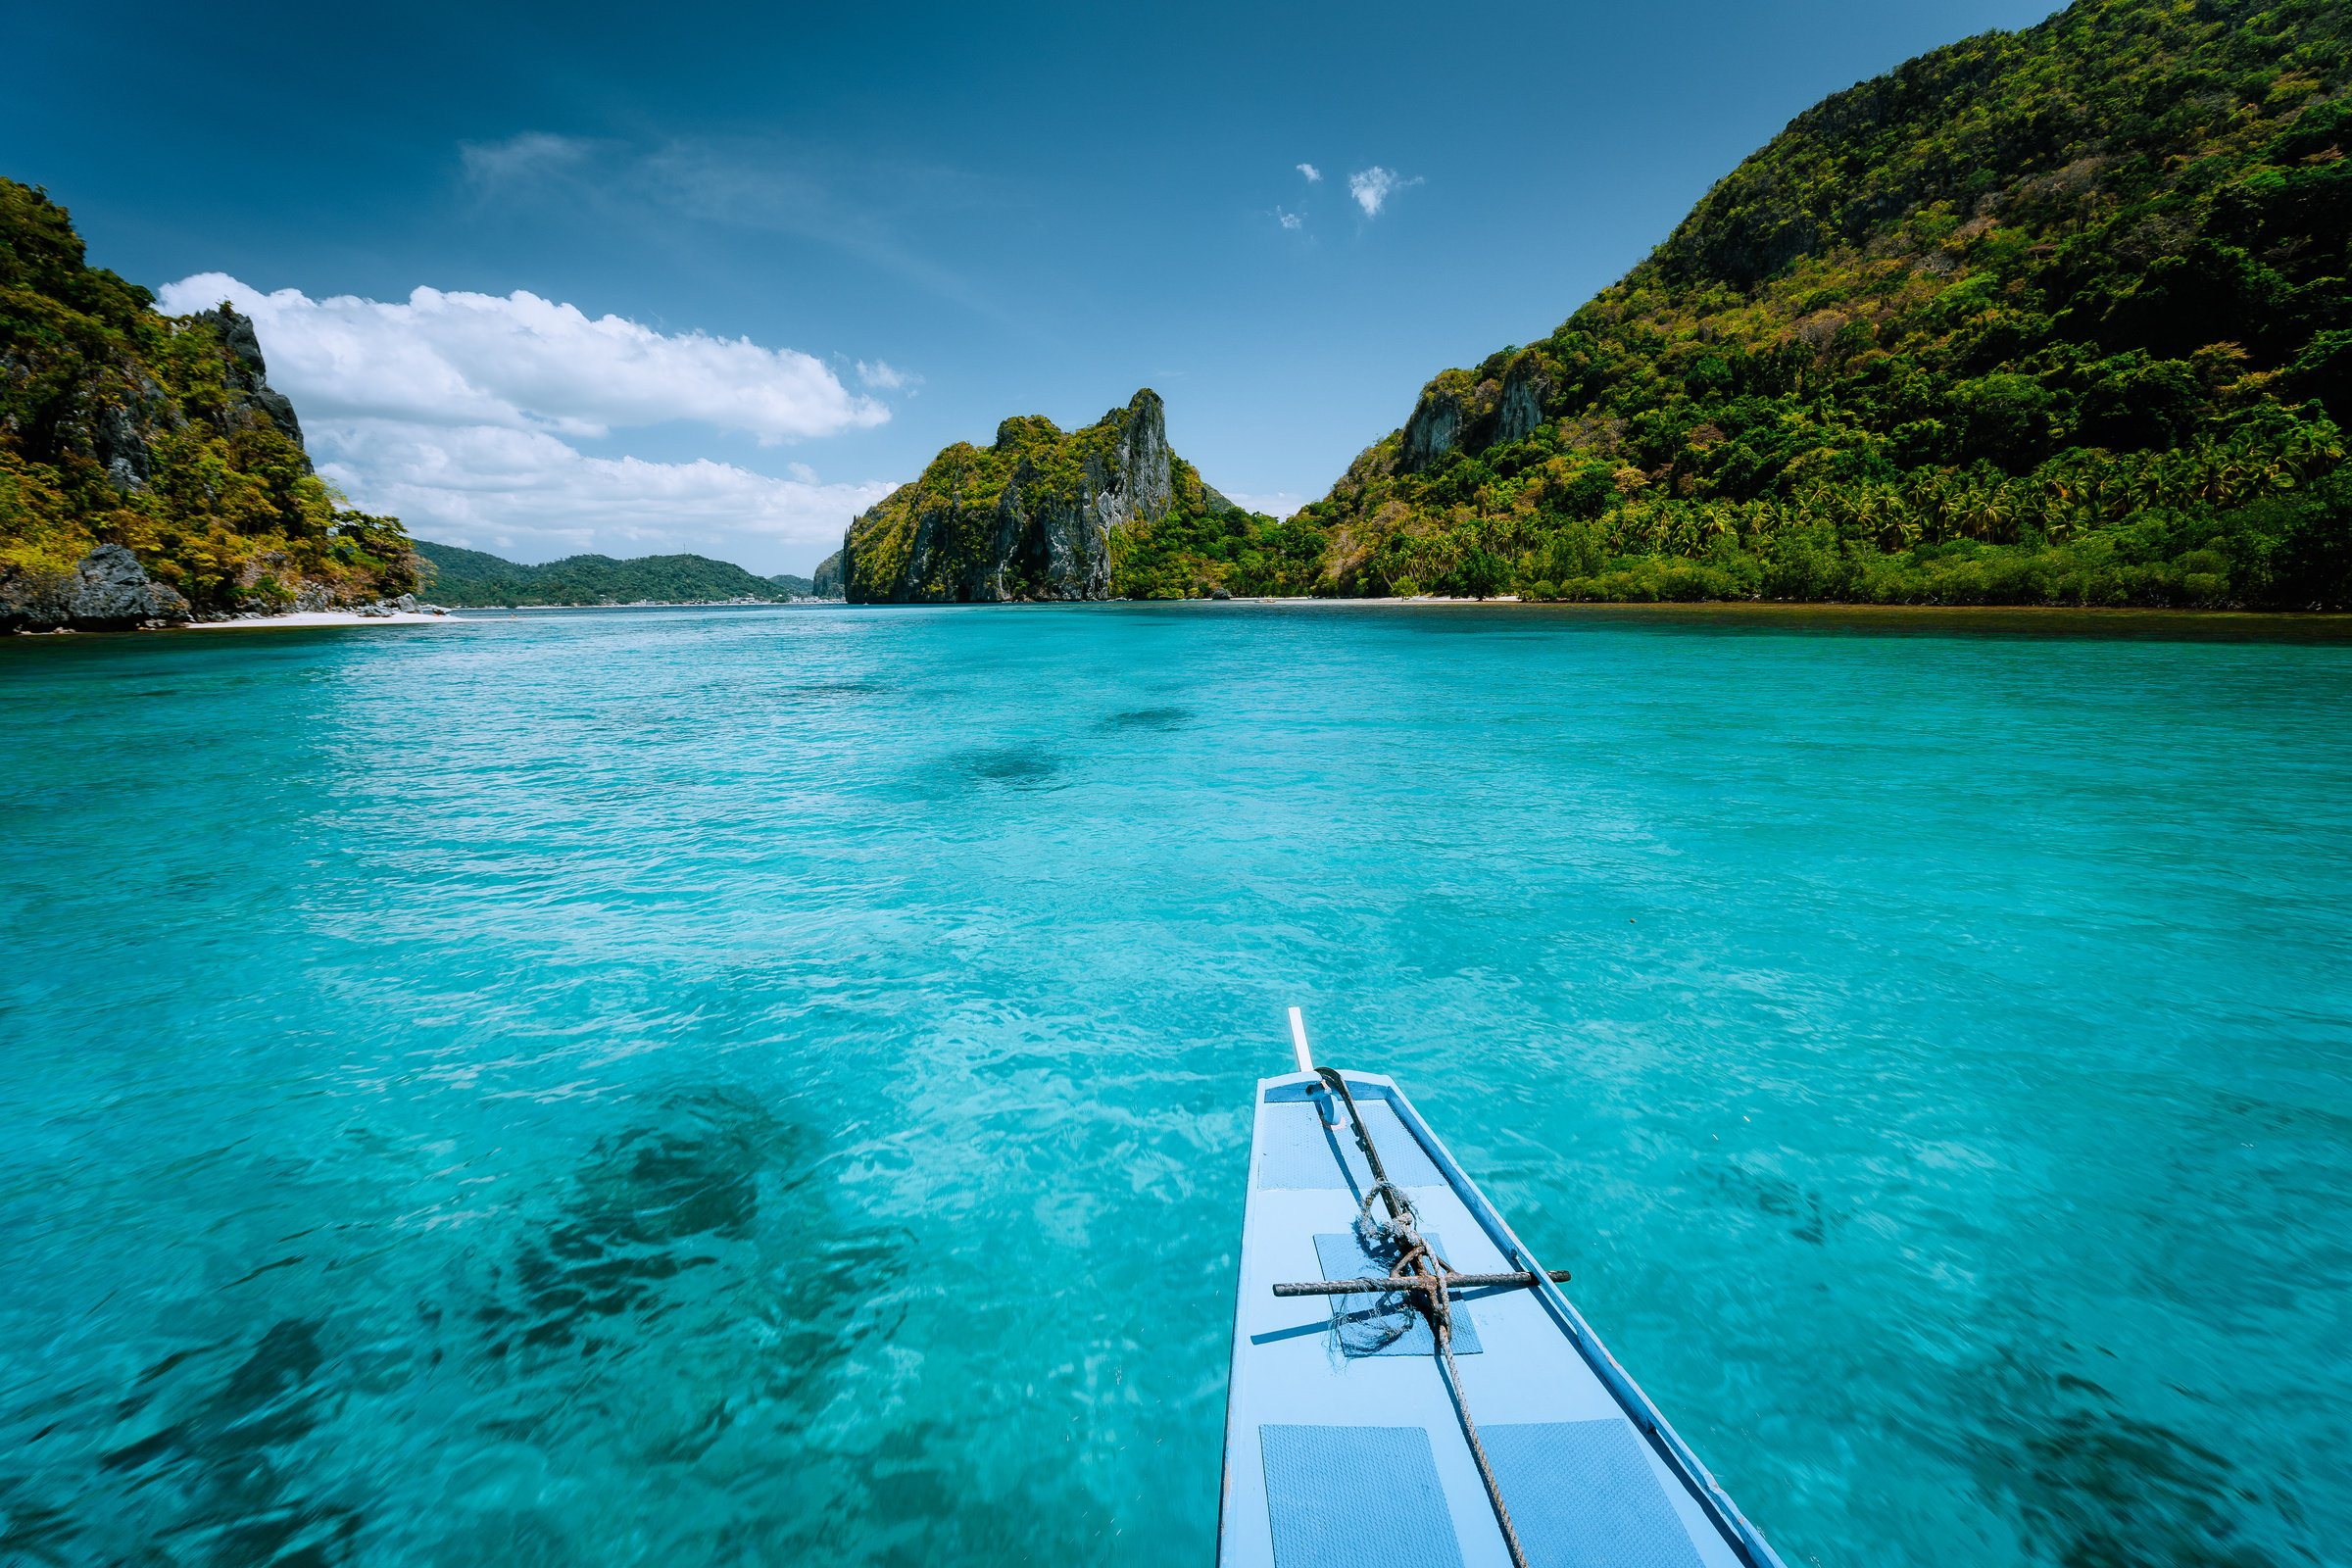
518	1091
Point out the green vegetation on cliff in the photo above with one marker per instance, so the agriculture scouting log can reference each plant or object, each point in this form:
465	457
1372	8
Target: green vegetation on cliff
1106	511
1205	543
119	425
921	539
1032	516
470	577
2059	316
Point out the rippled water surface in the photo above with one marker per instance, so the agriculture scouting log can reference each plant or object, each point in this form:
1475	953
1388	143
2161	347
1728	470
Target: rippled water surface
766	1087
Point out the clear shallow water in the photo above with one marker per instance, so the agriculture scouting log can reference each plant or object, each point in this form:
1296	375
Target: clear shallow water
754	1087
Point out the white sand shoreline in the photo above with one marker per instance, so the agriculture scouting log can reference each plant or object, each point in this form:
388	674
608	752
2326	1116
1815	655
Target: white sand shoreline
314	618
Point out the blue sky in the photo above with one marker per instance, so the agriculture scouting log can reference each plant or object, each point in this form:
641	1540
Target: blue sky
921	219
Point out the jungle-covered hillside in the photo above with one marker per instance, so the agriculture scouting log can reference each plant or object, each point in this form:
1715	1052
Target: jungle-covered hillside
121	425
2058	316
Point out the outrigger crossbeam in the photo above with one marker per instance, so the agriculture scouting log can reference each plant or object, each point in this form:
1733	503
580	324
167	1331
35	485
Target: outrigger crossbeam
1419	1282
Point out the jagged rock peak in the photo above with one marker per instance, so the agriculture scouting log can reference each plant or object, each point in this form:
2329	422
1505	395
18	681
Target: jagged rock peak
248	374
1028	517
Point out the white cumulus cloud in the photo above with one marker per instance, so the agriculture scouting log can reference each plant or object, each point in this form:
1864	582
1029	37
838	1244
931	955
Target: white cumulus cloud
525	363
455	411
1288	220
1372	187
527	495
1314	176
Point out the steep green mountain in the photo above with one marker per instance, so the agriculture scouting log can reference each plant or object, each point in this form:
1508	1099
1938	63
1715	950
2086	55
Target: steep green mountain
2054	316
1042	514
793	587
472	579
120	426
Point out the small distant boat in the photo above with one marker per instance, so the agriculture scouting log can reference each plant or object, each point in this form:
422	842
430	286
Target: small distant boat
1412	1389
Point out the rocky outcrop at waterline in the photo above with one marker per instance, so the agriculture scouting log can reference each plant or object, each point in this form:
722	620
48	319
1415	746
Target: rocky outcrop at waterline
108	590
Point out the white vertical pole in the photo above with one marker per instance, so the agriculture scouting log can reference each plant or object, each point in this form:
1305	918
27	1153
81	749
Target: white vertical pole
1306	1063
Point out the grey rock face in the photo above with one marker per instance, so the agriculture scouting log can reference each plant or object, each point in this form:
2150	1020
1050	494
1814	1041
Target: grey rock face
1041	540
114	593
108	590
114	417
1216	500
1520	409
1435	428
1454	414
1058	546
122	447
248	374
33	601
826	582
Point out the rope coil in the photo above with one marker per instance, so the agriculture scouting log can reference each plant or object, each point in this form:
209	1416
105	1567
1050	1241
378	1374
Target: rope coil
1424	1278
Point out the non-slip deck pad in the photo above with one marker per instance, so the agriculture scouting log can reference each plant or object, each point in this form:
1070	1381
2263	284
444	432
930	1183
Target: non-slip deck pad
1355	1497
1301	1153
1582	1495
1399	1331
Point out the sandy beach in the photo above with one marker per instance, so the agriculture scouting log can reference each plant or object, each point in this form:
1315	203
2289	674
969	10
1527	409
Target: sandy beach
315	618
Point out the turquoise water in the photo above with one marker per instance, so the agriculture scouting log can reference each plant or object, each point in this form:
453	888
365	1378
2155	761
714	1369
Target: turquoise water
762	1087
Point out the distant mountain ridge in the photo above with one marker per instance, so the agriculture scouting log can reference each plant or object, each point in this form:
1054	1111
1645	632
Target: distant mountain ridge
473	578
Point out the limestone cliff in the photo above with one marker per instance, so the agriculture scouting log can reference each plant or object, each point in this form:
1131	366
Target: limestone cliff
148	470
1459	411
1030	518
825	582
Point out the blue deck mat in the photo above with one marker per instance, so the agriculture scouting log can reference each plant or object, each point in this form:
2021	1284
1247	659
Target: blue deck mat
1582	1495
1355	1497
1400	1330
1299	1152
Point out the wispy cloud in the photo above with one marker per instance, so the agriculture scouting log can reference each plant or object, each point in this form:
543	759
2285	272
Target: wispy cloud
1280	504
883	376
866	207
532	155
1372	187
1288	219
1314	176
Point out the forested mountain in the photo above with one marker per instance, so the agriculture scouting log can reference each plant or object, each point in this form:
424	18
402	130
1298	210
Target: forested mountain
1040	513
470	577
2053	316
123	427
